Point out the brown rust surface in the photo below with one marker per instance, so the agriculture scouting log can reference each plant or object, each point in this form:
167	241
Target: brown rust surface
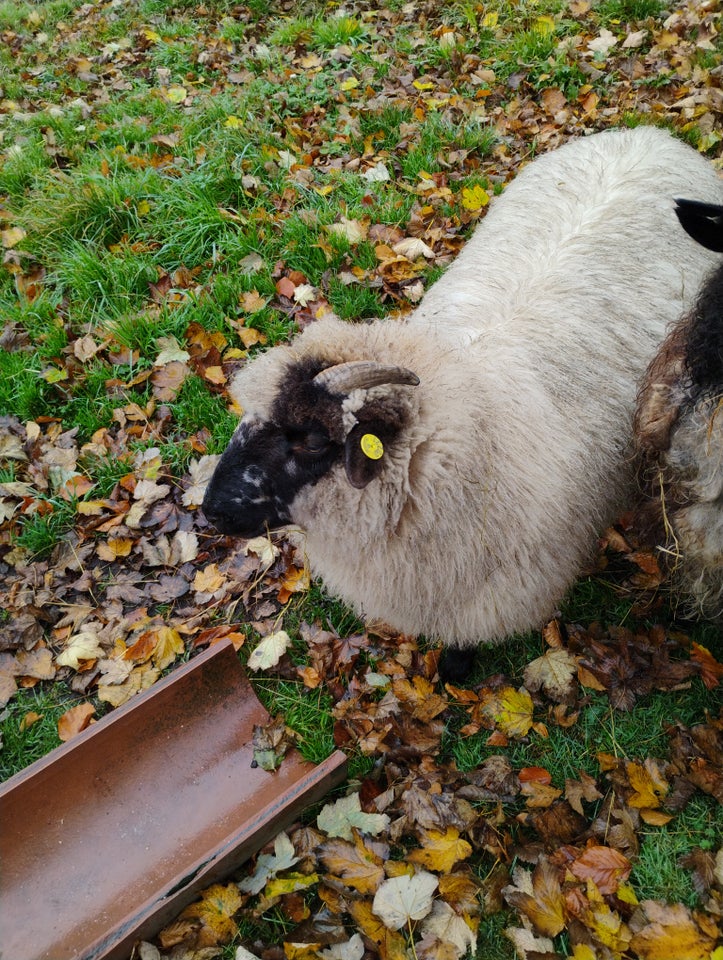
107	838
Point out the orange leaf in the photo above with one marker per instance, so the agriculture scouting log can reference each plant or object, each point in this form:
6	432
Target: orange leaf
605	866
75	720
710	670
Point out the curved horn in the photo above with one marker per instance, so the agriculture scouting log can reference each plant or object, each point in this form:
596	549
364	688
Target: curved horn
362	374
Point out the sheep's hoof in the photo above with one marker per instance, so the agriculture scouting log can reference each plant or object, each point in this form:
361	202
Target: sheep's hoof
455	666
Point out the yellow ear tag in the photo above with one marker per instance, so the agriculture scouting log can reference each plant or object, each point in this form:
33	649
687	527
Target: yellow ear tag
372	446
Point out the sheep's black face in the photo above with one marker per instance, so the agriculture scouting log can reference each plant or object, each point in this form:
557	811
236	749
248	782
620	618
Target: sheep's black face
261	472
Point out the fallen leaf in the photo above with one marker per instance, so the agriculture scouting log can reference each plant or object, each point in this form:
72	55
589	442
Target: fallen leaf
74	720
402	899
337	819
269	651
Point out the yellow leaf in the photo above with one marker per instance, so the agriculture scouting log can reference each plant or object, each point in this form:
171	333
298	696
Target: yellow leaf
648	783
12	236
233	123
626	893
440	851
511	710
215	910
169	645
423	86
151	35
351	84
544	25
290	883
474	198
209	580
671	931
489	20
143	208
175	93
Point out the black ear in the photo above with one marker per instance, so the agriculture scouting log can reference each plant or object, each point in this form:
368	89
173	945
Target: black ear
364	453
702	221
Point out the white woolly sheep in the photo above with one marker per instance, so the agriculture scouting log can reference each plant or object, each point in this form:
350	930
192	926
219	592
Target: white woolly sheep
679	432
451	472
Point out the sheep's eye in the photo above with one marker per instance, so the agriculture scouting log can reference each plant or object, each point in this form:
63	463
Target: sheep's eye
312	443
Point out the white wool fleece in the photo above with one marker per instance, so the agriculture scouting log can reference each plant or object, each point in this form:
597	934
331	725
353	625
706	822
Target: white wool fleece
529	350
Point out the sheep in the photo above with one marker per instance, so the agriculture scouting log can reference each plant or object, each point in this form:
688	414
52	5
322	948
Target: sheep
450	473
679	435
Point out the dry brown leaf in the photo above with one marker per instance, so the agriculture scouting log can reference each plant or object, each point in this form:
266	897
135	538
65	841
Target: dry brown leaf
539	897
74	720
606	867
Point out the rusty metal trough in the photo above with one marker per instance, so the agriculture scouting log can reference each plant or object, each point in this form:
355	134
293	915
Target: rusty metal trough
107	838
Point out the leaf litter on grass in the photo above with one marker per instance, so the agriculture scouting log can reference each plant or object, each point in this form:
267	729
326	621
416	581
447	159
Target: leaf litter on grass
348	156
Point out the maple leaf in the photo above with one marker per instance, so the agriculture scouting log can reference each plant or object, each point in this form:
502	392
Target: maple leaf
510	709
663	931
337	819
419	695
648	783
444	926
539	897
401	899
269	864
606	867
271	743
215	910
440	851
353	863
553	673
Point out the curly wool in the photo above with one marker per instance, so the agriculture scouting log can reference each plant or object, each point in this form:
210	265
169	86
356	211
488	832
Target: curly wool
517	448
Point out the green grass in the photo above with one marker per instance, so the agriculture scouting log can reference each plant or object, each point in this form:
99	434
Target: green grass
22	744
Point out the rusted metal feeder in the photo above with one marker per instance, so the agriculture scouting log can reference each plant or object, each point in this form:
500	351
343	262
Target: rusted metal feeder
107	838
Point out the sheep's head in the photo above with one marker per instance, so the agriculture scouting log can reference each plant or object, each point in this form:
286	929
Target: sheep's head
321	416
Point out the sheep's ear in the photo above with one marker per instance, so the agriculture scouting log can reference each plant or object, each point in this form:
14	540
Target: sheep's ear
364	455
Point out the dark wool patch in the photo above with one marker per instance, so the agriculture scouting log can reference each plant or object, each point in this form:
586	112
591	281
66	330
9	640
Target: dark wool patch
301	403
704	340
702	221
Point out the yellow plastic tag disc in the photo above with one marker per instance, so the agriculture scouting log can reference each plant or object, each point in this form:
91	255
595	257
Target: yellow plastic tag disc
372	446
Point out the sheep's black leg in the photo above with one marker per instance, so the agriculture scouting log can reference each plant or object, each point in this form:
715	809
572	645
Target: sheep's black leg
456	665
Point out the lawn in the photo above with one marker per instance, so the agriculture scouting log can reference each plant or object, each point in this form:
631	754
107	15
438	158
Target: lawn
183	185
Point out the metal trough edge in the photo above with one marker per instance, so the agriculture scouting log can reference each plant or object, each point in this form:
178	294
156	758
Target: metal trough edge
106	839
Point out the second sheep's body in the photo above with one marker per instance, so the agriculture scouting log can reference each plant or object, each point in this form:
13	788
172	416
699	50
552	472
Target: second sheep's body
679	432
481	502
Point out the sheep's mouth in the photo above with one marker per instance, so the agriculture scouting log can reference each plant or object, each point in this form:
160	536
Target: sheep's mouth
241	522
